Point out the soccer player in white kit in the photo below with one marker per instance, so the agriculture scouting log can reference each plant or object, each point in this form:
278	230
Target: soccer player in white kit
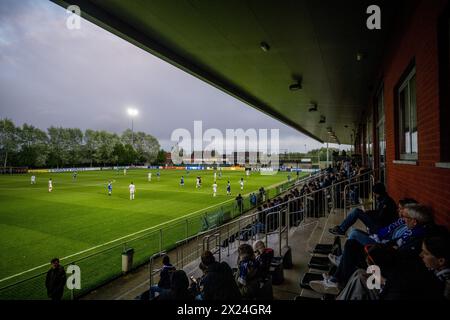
50	185
33	179
197	183
215	176
242	183
149	176
214	188
132	188
124	172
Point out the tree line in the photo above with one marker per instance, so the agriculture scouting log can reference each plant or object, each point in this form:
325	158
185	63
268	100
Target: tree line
315	154
71	147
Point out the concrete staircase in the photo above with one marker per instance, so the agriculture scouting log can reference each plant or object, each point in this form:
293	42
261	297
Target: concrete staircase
302	239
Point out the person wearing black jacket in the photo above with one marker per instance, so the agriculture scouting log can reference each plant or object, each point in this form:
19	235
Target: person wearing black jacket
436	258
218	282
384	214
240	203
55	280
179	288
264	256
164	278
410	280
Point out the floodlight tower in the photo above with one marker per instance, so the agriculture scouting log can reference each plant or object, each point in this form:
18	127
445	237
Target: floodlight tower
132	113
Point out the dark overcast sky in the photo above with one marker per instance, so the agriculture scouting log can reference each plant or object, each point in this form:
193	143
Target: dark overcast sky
50	75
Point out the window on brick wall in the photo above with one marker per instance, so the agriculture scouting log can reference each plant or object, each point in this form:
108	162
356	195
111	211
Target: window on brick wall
444	84
369	140
379	102
407	118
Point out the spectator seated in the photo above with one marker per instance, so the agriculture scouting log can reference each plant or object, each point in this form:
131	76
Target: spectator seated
165	278
264	258
418	221
247	277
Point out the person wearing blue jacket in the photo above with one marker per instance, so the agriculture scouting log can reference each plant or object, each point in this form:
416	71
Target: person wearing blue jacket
395	230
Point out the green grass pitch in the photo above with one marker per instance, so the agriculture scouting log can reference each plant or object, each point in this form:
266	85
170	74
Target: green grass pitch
36	225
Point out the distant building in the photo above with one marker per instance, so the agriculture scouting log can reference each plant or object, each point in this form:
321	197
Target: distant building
168	160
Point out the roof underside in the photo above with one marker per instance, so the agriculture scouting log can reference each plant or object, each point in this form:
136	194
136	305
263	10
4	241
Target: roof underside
219	42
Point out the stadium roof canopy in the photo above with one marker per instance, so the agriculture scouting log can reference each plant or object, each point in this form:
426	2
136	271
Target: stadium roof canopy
219	41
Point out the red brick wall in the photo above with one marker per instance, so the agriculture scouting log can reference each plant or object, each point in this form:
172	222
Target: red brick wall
416	38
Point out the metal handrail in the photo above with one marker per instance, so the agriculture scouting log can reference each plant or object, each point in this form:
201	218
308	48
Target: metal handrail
347	187
150	268
283	209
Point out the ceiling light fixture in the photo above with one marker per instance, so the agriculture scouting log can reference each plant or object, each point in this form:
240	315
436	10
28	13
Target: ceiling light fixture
312	107
322	119
295	86
264	46
360	56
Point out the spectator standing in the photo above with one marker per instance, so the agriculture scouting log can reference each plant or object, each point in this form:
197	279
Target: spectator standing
55	280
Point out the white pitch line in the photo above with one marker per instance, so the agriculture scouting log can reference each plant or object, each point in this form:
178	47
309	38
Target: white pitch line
127	236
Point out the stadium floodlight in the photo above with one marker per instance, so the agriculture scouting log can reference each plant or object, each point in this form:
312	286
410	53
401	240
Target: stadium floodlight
132	113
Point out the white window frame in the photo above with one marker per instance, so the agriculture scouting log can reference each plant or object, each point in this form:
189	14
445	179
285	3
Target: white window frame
406	86
381	128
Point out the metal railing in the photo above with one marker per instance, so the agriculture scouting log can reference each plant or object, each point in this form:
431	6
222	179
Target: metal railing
274	221
216	248
359	191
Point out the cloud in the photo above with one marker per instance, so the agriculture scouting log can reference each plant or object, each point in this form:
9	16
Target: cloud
87	78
